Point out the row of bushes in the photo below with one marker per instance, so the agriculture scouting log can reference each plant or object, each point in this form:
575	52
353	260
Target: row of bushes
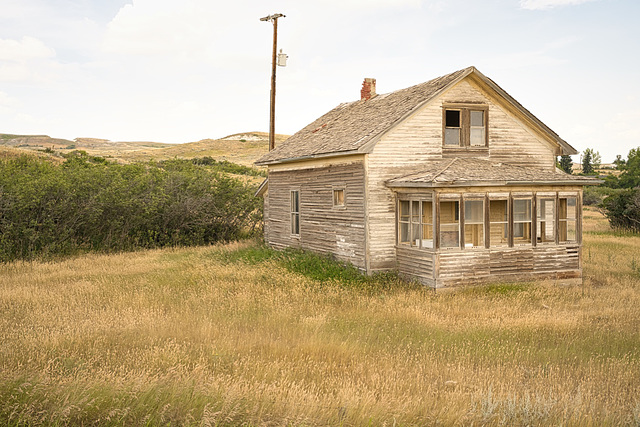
87	203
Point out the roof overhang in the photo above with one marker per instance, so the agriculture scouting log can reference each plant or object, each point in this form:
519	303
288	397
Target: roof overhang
309	157
489	183
263	188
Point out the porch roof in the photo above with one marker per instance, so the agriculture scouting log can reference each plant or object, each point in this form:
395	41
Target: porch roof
458	172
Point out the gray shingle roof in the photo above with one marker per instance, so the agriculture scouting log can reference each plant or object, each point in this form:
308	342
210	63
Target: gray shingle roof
463	172
348	128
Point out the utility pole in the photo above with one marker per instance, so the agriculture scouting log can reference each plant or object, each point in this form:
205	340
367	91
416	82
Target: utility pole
272	123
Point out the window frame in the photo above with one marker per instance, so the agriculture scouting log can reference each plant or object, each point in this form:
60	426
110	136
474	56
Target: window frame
504	225
337	189
530	222
294	213
552	221
410	223
465	125
566	220
414	223
457	217
470	199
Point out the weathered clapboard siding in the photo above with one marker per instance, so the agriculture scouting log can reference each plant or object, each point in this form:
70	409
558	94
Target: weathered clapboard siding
510	140
405	148
323	227
417	264
507	264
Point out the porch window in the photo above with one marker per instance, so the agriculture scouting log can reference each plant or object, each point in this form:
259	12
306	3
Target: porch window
295	212
498	223
415	223
474	223
404	222
567	219
521	221
450	224
427	225
546	208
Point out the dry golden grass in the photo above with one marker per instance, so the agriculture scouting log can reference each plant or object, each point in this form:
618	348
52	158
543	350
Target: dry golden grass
183	337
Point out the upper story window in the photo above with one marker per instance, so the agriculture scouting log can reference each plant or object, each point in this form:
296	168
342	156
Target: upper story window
465	126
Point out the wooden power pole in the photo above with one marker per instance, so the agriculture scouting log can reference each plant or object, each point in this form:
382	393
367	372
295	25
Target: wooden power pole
272	116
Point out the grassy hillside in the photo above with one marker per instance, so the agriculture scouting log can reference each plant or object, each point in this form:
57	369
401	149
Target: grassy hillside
244	148
238	334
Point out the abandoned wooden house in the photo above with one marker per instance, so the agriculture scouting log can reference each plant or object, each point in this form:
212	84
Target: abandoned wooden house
450	182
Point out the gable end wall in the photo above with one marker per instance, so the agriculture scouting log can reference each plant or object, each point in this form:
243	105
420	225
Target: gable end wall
406	147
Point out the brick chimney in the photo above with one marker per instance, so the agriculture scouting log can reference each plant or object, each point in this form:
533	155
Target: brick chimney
368	89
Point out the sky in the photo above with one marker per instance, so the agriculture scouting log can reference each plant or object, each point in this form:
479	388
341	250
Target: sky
184	70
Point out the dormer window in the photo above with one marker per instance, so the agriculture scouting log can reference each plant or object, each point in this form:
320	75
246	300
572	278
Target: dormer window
465	126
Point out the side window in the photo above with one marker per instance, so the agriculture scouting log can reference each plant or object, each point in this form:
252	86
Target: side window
295	212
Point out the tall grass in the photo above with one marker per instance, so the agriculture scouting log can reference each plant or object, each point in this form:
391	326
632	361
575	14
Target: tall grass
238	334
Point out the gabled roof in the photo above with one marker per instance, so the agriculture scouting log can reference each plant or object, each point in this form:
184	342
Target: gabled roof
354	127
476	172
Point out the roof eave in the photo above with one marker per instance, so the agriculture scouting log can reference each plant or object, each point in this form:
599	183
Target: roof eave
489	183
309	157
263	188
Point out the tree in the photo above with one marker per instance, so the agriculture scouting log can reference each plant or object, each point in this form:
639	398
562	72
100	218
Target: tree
619	162
587	166
623	209
566	164
596	159
630	176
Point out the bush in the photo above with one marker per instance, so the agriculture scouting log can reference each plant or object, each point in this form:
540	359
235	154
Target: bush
595	195
88	203
623	209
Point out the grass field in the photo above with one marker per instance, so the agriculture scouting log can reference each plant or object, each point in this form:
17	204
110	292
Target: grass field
236	334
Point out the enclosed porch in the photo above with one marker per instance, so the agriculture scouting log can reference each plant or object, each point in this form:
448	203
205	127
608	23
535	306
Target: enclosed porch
451	233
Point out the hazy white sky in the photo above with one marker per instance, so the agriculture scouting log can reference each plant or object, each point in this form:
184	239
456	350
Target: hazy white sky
184	70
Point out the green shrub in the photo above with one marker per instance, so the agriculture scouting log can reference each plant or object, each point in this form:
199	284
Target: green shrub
89	203
623	209
595	195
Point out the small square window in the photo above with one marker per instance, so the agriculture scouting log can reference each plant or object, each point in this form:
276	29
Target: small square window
338	197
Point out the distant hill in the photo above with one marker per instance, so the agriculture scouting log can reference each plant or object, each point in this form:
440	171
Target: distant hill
241	148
